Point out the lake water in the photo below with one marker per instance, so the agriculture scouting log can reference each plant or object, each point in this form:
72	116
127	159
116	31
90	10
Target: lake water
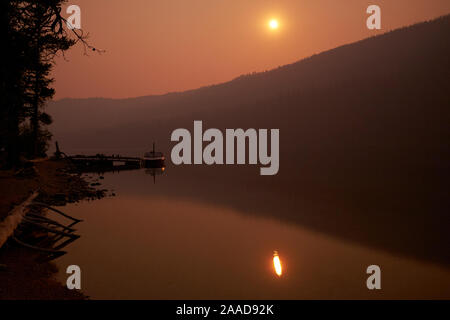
196	235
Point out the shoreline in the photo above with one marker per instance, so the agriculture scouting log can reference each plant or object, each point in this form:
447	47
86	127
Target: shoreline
21	275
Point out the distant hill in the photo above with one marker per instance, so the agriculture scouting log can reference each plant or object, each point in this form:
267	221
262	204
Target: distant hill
364	132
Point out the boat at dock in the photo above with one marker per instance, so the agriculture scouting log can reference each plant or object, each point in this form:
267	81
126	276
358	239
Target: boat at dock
103	163
153	159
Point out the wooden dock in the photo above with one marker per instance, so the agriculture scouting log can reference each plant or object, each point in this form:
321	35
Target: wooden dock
106	163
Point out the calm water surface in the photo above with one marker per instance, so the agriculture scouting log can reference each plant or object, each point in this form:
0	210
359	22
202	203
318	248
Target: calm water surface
160	241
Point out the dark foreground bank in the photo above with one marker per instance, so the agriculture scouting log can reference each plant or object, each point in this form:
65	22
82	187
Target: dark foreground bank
21	275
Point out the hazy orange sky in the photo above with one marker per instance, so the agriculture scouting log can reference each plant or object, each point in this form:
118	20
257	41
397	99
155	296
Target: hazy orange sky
159	46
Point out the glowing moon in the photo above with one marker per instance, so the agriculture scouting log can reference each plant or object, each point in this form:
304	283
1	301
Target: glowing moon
273	24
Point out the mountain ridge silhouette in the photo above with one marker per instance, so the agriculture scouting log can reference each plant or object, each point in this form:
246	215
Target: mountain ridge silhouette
363	138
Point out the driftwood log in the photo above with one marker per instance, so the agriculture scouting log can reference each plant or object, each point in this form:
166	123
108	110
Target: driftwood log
52	230
57	211
54	251
10	223
40	219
